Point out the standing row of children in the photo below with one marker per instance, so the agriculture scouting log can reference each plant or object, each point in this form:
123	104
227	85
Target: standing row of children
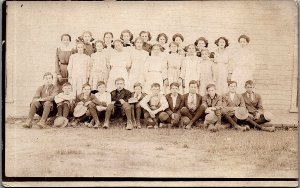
136	60
160	111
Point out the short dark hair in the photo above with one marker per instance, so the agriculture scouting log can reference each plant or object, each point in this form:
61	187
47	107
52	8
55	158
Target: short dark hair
101	83
174	84
245	37
249	82
177	35
65	35
225	39
203	39
126	31
155	85
149	35
193	82
119	79
162	34
232	82
210	86
47	74
108	33
66	84
137	84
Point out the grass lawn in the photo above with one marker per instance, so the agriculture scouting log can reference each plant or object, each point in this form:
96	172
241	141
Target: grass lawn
116	152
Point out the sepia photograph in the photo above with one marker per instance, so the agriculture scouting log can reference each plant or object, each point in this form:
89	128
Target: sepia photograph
150	93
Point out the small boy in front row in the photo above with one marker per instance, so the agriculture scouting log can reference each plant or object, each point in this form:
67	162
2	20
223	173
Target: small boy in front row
42	103
254	106
65	100
136	109
154	106
119	98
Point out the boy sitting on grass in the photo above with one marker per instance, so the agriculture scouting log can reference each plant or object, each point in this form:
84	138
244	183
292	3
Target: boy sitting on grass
65	100
42	103
154	106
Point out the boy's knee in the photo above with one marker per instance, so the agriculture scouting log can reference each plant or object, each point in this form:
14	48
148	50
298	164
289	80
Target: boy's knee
91	105
126	106
138	105
163	116
48	104
35	104
184	111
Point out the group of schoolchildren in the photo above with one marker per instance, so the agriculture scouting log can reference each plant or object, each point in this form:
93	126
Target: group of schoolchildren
134	78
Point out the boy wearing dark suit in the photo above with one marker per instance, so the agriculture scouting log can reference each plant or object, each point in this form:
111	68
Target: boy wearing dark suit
119	98
192	108
175	101
253	104
43	102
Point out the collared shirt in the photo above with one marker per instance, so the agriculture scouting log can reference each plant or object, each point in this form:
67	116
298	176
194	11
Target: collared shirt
231	95
192	99
124	94
137	96
104	97
250	96
163	103
174	98
209	101
46	92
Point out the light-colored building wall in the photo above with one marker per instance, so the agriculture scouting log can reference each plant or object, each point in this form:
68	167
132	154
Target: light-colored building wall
34	29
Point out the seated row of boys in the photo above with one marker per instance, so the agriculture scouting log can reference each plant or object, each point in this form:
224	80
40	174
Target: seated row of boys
159	110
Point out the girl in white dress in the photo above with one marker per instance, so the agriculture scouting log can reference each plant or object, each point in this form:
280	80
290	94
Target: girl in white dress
99	62
138	58
78	68
175	66
223	65
178	38
155	70
119	63
190	67
206	71
244	63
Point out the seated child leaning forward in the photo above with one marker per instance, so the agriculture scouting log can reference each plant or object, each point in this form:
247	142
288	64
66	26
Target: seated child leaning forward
154	106
119	98
42	103
136	109
65	100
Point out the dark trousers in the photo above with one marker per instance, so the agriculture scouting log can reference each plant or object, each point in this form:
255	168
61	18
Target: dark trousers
193	115
64	109
111	109
44	109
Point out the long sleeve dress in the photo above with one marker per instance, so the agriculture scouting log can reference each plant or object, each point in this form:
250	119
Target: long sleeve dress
138	58
243	67
206	75
118	63
190	70
175	67
223	67
155	71
61	63
99	69
78	69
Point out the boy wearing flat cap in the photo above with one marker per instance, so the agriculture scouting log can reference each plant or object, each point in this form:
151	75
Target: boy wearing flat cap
42	103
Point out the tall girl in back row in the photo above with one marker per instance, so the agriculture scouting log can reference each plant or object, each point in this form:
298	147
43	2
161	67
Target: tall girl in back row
63	54
223	66
119	63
